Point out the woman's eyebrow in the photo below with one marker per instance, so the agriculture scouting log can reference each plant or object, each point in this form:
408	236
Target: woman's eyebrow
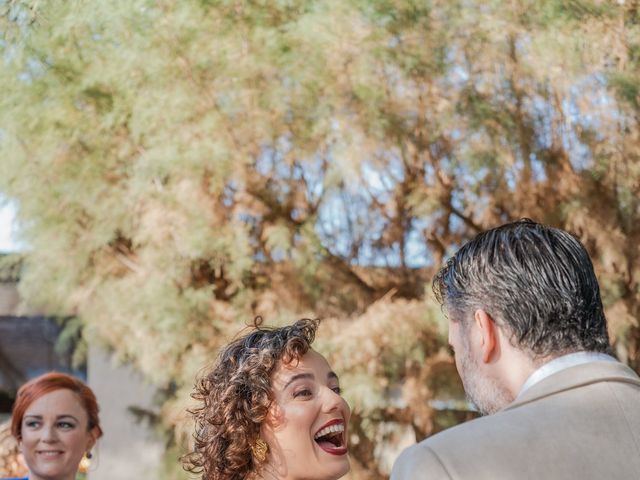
332	375
31	415
298	377
39	417
60	417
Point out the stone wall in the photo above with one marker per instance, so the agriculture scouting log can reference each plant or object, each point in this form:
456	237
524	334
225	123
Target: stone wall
129	449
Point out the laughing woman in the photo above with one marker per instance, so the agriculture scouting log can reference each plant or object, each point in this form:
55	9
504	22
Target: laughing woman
270	409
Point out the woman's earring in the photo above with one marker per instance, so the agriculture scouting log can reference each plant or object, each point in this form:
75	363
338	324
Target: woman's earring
260	449
85	462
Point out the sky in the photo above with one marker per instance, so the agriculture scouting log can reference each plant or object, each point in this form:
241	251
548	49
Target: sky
8	240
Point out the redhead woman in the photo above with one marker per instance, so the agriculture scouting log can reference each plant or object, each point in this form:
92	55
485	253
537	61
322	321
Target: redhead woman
55	421
271	409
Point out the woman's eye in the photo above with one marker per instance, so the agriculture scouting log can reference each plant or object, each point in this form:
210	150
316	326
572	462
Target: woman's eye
337	390
32	424
302	393
65	425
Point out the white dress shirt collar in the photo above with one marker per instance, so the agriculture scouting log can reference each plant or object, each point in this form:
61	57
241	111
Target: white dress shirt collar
562	363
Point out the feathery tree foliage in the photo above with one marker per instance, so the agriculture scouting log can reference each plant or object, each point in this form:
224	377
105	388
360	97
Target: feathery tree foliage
181	167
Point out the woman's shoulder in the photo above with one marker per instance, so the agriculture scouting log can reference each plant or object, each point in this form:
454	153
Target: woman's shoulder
15	478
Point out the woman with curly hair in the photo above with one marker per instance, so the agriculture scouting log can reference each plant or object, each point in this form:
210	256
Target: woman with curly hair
270	408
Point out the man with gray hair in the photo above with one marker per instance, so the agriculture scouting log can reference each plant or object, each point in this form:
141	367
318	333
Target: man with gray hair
527	326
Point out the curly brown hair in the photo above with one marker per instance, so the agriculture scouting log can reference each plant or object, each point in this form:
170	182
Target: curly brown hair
235	398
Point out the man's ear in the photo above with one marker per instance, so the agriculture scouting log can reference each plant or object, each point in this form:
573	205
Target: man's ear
488	333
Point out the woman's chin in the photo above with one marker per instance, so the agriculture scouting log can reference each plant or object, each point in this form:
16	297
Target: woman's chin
340	470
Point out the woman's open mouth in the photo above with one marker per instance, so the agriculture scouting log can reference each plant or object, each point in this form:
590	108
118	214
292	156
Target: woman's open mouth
331	437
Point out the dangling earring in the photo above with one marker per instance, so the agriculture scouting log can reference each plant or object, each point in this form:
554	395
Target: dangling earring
260	449
85	462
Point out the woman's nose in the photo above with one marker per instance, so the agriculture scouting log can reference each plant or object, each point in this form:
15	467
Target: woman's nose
333	401
49	434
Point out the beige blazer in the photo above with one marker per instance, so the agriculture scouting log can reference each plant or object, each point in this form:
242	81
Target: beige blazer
582	423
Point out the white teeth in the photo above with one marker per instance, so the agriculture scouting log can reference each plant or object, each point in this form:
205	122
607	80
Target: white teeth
339	427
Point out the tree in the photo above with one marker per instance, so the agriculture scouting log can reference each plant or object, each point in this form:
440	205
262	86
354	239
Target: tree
181	167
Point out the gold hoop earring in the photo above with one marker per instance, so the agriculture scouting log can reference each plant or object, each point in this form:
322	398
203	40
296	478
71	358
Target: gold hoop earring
260	449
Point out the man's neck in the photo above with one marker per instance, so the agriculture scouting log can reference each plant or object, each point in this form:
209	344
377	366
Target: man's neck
515	368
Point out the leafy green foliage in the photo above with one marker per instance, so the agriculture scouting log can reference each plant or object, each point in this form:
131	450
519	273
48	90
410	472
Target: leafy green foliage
181	167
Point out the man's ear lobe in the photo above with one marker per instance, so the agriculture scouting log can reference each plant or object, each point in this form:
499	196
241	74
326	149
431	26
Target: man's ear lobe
488	333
